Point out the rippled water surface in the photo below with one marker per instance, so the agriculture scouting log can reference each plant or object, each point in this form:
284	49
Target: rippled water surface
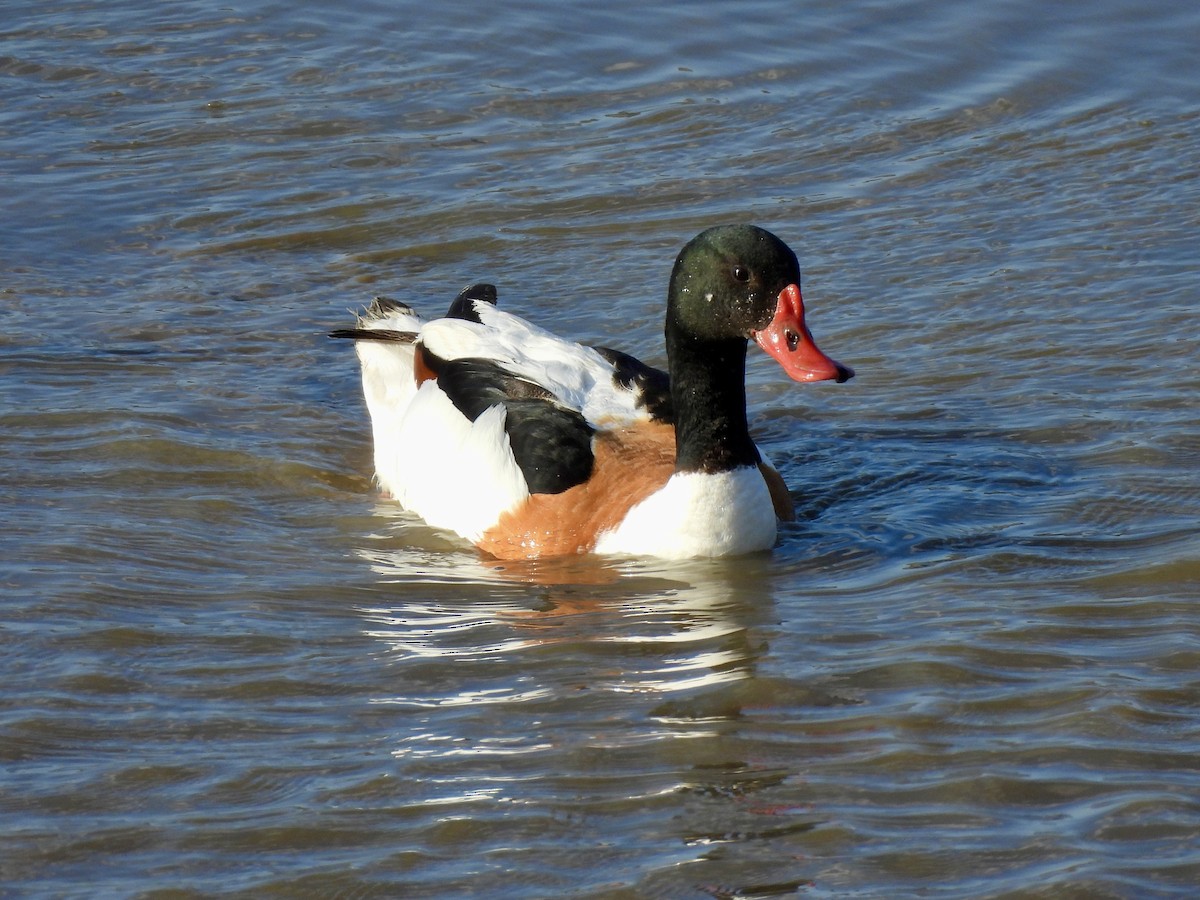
969	670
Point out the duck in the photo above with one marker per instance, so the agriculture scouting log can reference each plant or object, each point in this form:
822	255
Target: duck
529	445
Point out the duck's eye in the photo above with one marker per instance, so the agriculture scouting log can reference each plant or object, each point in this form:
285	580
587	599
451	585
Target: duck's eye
741	273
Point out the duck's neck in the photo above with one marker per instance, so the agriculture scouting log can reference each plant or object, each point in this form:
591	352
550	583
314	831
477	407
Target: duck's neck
708	392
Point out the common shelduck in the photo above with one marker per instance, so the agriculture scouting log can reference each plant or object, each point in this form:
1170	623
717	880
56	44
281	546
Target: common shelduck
530	445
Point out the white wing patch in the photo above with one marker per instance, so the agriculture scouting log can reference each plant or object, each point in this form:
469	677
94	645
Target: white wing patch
578	376
452	472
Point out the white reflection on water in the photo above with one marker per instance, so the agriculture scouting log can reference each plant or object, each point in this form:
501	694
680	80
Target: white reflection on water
572	684
443	745
467	698
536	630
425	630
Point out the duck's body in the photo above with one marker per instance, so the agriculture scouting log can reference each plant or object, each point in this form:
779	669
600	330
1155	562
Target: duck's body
530	445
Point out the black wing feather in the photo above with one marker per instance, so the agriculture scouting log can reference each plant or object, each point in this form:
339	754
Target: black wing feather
653	385
463	306
380	307
375	334
551	443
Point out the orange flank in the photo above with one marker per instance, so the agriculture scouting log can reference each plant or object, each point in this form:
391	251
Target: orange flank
631	464
781	498
421	369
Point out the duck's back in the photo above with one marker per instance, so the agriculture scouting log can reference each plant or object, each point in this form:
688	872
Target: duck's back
501	431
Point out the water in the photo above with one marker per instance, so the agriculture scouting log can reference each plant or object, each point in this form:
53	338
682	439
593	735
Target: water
968	670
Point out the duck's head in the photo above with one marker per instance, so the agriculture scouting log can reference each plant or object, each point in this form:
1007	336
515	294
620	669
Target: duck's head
742	282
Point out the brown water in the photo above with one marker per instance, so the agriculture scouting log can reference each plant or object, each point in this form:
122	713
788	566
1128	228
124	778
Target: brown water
969	670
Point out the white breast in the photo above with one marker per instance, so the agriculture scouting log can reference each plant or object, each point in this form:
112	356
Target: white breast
697	514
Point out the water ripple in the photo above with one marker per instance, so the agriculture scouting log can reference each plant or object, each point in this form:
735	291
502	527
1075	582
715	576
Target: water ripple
967	670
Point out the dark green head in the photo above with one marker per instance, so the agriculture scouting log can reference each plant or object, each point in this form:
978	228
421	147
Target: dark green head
727	280
739	282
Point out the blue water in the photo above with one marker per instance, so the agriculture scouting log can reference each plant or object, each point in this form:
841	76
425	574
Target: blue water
230	668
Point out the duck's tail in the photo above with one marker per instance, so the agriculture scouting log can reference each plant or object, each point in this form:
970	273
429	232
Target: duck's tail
383	340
